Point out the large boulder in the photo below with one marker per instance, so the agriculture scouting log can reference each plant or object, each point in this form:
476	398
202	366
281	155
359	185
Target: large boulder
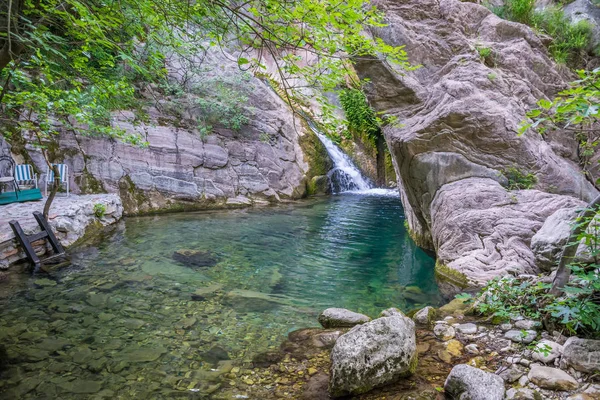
469	383
341	318
582	355
372	355
457	152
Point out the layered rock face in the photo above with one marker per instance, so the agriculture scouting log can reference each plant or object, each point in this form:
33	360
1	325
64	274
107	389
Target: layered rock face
183	168
460	114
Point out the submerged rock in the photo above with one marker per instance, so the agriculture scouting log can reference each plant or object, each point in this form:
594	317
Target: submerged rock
142	354
372	355
341	318
465	382
251	301
581	354
214	355
195	258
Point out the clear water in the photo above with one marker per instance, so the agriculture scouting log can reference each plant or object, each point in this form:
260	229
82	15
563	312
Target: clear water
127	320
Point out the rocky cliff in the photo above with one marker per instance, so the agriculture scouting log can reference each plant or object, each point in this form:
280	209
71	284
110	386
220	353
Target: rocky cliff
270	157
457	153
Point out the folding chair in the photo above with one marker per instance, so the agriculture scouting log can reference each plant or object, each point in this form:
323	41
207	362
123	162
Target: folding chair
63	170
24	175
10	178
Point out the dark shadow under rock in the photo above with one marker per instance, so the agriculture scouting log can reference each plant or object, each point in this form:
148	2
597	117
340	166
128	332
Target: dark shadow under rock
3	358
195	258
304	343
316	388
266	359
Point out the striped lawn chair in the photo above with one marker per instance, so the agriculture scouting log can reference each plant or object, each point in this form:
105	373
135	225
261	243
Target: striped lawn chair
63	170
24	175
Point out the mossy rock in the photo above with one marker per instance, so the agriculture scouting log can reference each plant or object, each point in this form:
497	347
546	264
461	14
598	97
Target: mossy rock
318	185
450	280
456	306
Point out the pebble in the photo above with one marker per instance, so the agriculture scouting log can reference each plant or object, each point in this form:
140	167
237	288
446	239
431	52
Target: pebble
472	348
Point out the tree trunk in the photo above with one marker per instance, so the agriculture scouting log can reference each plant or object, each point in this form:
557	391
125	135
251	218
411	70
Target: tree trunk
53	191
563	272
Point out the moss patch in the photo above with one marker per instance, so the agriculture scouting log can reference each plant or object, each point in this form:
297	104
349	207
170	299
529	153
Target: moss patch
317	158
447	275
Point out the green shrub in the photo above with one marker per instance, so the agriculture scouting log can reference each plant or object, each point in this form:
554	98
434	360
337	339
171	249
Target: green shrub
221	101
484	52
569	40
99	210
515	10
518	179
361	118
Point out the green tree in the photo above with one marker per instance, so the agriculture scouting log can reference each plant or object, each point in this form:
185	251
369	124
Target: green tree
67	64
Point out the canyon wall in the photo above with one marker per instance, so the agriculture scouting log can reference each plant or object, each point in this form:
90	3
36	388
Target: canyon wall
458	150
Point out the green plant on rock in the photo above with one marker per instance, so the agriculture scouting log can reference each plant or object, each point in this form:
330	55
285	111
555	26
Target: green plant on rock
221	102
518	180
359	114
569	40
99	210
515	10
484	52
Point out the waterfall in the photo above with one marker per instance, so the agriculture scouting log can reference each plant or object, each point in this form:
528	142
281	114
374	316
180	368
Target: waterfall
344	176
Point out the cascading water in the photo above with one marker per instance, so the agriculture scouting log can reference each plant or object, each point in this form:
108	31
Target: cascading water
344	176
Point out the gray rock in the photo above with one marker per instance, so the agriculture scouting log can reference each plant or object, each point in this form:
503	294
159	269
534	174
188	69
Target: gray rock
341	318
467	329
528	324
511	373
390	312
466	382
581	354
521	336
549	241
547	351
424	316
522	394
552	378
506	327
372	355
444	331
